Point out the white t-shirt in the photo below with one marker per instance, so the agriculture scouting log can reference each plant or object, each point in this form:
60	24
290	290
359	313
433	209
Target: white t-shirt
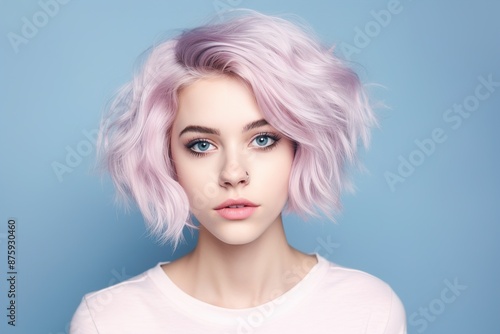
329	299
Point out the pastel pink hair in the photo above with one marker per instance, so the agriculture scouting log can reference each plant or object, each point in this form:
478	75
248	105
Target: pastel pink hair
301	87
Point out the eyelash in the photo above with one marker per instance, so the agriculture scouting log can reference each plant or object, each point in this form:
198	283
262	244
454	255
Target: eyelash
273	136
193	142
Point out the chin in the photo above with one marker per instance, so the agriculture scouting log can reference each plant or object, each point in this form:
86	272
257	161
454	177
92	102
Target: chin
236	232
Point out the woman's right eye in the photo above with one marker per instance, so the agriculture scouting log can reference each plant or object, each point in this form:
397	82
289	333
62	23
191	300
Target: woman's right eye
201	146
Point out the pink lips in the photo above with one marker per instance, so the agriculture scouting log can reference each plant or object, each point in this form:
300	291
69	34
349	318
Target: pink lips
236	209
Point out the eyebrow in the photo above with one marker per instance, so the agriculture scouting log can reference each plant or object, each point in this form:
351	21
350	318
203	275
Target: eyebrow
255	124
203	129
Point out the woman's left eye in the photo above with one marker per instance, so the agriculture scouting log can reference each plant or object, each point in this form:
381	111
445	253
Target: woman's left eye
264	140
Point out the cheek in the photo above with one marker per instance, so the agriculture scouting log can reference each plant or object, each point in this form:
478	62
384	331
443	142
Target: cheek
274	170
183	169
199	183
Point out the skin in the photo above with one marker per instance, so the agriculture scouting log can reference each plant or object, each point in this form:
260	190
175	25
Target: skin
236	263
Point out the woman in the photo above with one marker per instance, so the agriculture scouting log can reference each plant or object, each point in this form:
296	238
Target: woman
233	123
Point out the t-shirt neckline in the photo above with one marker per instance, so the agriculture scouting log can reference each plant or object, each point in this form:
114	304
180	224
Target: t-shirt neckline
206	312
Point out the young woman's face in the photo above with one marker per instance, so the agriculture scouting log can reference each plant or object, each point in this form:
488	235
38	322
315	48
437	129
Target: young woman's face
223	149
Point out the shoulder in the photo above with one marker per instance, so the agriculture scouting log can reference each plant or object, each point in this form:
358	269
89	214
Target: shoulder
134	298
362	293
356	283
137	287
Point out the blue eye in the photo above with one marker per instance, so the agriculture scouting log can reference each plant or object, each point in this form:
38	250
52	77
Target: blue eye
264	140
200	146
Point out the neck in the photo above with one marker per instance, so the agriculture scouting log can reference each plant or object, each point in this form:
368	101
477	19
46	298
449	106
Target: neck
240	276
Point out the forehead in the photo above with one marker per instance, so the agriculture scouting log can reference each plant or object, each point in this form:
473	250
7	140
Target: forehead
216	102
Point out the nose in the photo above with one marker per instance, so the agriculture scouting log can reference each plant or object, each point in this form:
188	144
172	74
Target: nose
232	175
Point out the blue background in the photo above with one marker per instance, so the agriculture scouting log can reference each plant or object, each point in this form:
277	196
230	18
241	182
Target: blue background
440	225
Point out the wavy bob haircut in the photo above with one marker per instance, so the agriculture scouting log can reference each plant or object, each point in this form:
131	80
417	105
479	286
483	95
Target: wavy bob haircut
301	87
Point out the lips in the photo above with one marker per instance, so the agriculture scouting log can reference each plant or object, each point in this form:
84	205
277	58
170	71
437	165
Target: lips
235	203
238	209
